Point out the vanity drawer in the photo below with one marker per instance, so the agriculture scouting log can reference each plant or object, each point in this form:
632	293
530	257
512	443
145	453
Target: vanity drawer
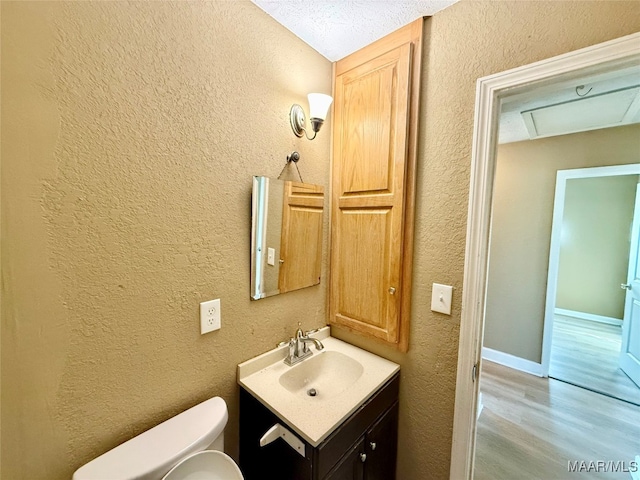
349	433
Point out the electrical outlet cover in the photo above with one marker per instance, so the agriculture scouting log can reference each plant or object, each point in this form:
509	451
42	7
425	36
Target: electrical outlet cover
209	316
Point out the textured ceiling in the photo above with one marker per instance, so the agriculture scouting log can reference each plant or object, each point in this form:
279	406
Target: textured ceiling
336	28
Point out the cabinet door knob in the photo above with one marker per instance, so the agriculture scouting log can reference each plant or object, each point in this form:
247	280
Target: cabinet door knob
392	290
625	286
372	445
363	457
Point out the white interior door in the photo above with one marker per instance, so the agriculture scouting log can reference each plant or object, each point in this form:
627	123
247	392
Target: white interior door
630	352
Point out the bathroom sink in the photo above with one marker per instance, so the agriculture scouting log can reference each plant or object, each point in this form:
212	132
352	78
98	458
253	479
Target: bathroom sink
319	393
326	374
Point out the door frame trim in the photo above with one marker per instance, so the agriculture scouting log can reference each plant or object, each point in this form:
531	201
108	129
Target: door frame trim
554	249
618	53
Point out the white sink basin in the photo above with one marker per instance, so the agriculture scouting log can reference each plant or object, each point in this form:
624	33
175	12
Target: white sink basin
342	375
326	374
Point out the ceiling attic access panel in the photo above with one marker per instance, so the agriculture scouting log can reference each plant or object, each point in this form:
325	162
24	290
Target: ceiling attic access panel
370	157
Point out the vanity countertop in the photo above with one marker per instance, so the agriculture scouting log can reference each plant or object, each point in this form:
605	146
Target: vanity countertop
342	384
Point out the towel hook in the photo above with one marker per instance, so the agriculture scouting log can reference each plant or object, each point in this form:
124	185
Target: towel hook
294	157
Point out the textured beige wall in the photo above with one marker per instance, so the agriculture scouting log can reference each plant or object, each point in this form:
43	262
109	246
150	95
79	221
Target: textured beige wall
130	134
468	40
594	251
521	228
100	188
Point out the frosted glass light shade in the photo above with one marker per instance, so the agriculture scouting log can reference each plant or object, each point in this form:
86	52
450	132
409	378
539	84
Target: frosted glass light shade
319	105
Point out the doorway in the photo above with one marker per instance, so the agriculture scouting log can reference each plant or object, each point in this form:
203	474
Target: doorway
588	263
614	54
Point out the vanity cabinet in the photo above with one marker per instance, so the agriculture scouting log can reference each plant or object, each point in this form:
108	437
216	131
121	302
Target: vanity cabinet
363	446
374	456
375	128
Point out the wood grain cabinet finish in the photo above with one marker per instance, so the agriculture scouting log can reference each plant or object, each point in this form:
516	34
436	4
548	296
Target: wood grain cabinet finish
363	447
301	238
373	186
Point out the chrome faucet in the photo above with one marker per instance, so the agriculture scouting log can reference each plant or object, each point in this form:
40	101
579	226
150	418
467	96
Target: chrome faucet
298	347
315	341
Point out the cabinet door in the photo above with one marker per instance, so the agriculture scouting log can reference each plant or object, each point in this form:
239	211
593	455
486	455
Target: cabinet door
301	237
381	447
370	149
351	467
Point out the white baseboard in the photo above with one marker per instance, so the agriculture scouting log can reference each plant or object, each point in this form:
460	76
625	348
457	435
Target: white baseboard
512	361
588	316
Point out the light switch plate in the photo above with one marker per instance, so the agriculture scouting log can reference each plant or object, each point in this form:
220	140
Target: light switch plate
441	298
271	256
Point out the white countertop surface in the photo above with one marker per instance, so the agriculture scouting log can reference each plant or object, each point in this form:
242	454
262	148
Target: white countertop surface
313	418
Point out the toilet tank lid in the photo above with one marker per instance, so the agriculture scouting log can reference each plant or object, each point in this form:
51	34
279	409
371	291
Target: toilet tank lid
152	453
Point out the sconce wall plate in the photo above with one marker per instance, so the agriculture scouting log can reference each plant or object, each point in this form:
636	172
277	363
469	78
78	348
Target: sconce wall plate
296	117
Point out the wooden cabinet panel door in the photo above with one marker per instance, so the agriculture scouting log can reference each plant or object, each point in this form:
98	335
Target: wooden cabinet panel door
301	237
370	148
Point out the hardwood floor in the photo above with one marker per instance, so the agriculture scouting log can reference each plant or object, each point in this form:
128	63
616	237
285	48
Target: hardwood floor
586	354
532	427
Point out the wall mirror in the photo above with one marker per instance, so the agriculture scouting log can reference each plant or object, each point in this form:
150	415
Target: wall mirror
286	236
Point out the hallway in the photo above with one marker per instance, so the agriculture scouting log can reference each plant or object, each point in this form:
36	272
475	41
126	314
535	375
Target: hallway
532	427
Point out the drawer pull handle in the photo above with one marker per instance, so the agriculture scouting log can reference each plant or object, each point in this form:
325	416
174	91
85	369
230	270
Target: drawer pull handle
372	445
363	457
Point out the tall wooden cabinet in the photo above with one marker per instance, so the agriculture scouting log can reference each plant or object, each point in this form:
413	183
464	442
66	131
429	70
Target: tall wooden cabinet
373	186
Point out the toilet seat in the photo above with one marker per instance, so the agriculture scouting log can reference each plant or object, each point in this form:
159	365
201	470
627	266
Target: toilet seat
205	465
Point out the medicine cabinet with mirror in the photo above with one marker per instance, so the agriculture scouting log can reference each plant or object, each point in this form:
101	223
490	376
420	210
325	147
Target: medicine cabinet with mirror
286	236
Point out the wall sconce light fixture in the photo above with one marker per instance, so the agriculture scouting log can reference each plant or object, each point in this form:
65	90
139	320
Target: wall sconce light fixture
318	108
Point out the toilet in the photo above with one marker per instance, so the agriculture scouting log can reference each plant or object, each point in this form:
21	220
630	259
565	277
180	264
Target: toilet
186	447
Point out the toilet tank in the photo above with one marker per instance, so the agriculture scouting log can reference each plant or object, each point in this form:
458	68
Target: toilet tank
153	453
